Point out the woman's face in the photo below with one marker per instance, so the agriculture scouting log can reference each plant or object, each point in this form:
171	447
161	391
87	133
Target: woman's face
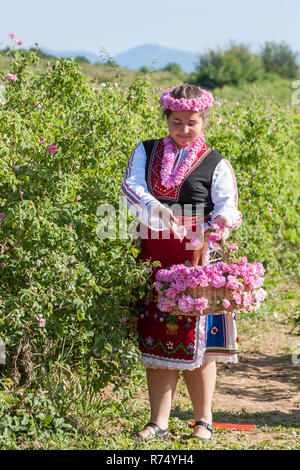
184	127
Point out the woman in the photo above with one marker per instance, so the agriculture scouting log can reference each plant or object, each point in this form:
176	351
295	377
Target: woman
170	182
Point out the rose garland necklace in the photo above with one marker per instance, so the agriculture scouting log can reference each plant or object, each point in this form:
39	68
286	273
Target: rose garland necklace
170	178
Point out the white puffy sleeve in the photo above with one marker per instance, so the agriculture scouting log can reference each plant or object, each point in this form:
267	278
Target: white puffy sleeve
135	191
224	194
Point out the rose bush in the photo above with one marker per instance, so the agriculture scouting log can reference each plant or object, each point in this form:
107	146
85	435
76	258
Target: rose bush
63	145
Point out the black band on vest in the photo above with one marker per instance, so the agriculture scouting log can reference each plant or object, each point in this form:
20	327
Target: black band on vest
148	145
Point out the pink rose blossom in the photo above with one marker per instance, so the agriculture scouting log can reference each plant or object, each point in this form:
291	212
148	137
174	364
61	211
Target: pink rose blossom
12	76
214	237
217	227
20	41
218	281
42	321
171	293
226	303
2	215
237	298
233	247
260	295
248	300
165	305
233	283
42	140
51	148
186	303
201	303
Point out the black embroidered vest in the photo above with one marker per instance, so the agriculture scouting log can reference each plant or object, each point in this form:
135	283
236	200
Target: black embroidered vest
194	193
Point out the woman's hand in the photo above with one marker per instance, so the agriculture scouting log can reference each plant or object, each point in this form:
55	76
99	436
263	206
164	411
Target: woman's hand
223	224
169	219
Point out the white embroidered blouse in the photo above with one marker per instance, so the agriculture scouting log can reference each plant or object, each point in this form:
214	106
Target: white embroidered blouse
141	202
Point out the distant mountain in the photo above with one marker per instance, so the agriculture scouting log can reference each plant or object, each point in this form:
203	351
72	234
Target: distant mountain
157	56
146	55
88	55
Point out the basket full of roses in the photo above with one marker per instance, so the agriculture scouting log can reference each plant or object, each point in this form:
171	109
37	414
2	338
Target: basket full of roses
216	288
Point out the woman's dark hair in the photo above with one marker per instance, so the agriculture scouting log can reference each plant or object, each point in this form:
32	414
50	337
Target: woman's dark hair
189	92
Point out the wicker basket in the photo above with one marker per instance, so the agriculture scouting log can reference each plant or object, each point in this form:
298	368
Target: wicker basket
212	294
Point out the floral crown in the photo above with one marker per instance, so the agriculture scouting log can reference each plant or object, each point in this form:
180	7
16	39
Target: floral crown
183	104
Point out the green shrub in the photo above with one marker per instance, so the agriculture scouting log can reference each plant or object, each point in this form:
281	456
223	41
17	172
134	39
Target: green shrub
52	262
261	140
233	66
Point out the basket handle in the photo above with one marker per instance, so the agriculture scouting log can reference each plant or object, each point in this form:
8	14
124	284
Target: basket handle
199	255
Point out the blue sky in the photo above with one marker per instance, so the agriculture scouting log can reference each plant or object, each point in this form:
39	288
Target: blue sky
118	25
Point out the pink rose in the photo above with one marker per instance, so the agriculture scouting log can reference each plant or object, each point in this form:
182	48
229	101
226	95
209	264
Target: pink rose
171	293
51	148
218	281
233	247
248	300
165	305
214	237
42	321
260	295
200	303
237	298
233	283
12	76
186	303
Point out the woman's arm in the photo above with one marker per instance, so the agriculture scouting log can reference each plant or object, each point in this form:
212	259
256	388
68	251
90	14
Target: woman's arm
224	194
136	194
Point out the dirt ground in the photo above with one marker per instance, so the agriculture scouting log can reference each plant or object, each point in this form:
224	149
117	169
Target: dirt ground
265	381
